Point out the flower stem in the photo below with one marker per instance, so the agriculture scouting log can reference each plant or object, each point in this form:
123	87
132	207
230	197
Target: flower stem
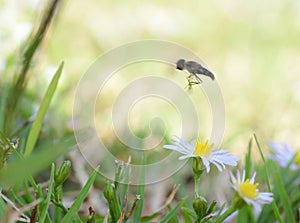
196	184
198	170
227	213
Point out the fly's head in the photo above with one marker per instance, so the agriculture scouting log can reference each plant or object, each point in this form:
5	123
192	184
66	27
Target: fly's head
180	64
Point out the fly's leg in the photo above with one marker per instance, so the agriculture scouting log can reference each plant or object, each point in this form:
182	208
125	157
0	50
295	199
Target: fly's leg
189	78
198	79
192	80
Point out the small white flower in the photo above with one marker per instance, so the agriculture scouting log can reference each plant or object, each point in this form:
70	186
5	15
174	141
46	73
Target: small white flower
283	155
247	190
197	148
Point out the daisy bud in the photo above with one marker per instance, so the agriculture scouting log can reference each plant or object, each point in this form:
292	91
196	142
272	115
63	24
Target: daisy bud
62	173
197	166
200	206
111	197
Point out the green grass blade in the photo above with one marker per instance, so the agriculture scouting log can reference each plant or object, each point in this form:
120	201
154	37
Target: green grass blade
19	156
151	217
189	212
141	191
37	124
3	99
172	213
3	208
48	198
24	168
289	185
26	57
186	217
274	205
174	219
125	185
186	214
72	213
287	207
248	162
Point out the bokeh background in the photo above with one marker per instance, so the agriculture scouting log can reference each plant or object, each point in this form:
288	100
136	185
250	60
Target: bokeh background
253	47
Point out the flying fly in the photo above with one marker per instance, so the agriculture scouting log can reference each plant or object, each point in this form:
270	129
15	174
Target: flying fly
195	69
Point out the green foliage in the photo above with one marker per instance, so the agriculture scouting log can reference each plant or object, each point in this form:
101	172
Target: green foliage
284	198
47	200
141	190
110	194
266	171
24	168
31	47
37	124
72	212
173	211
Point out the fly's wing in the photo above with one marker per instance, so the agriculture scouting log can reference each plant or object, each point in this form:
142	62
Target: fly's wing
192	67
196	69
206	72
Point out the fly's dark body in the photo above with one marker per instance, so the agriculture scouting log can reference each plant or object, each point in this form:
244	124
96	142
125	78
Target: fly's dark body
195	69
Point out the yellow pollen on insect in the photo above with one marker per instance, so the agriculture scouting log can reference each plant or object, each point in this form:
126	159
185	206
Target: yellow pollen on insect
202	149
248	190
297	158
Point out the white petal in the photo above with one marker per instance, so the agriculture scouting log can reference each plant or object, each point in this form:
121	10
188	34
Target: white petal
282	154
171	147
206	164
244	176
182	142
265	197
175	148
226	159
185	157
220	166
232	177
252	180
185	146
238	177
256	208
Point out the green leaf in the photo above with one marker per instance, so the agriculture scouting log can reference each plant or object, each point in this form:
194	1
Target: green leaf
110	194
48	198
189	212
186	217
125	186
3	208
174	219
287	207
274	205
172	213
24	168
150	217
72	213
3	99
248	162
37	124
141	191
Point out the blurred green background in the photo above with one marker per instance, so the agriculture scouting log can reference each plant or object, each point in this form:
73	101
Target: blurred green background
253	47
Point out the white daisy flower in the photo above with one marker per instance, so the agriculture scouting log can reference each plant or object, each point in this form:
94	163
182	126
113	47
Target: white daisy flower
283	155
247	190
197	148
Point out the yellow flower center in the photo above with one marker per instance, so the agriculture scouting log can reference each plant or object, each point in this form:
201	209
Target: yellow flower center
248	190
297	158
202	149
